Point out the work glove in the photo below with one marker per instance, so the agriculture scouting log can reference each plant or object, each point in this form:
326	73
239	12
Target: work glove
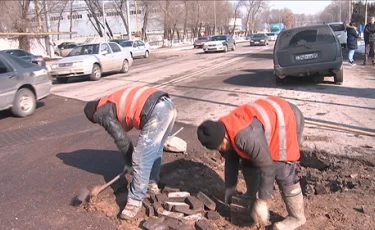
260	212
128	169
229	192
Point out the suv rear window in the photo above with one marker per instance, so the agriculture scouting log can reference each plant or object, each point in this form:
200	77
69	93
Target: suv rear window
305	36
337	27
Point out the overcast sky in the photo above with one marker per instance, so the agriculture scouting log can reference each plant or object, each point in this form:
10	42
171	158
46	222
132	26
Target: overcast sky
301	7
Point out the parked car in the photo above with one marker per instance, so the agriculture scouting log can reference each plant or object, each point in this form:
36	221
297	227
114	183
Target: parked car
249	36
271	36
37	59
198	43
137	48
22	85
306	51
92	60
339	30
259	39
64	48
219	43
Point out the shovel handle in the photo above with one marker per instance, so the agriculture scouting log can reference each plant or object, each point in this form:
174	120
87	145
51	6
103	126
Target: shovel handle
101	188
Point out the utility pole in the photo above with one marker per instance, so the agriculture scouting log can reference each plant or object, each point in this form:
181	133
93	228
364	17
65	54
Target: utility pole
136	16
128	17
104	25
46	15
215	17
340	11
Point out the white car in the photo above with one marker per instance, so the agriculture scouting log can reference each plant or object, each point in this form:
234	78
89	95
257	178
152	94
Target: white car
93	60
137	48
339	30
271	36
219	43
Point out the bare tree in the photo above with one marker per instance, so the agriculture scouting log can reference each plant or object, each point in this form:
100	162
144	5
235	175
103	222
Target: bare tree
120	7
237	7
252	9
61	11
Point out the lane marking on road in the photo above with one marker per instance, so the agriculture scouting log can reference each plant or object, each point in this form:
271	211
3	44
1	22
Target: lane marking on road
184	77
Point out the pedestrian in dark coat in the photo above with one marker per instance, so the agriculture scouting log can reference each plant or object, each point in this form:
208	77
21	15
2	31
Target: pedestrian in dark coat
352	41
369	36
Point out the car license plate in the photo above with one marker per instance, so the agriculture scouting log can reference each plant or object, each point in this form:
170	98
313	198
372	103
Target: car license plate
256	42
306	56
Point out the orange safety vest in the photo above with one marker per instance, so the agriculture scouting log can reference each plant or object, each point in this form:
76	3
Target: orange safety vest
278	120
129	104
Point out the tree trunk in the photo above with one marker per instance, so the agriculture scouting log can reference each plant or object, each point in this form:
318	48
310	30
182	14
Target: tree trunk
200	29
23	40
71	18
145	21
38	15
125	22
96	28
59	21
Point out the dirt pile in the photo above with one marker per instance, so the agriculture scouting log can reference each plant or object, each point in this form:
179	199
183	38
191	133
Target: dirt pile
339	192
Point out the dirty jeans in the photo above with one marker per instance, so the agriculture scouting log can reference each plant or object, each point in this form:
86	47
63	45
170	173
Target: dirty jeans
351	55
148	152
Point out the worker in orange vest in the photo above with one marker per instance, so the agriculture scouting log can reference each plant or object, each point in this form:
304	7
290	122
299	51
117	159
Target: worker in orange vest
265	136
152	112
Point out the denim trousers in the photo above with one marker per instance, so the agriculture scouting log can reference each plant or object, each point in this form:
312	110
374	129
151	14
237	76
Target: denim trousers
351	55
148	152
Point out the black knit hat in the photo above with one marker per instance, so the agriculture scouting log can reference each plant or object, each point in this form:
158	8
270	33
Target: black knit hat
211	134
90	109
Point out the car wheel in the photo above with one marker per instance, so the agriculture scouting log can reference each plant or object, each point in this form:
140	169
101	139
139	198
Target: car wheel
339	77
125	66
195	47
205	52
131	55
279	81
146	54
24	103
234	47
225	49
96	73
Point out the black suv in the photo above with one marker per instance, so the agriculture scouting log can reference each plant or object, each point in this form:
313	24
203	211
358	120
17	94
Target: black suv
306	51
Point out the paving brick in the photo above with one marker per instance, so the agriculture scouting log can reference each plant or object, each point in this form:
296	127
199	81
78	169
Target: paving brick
168	189
195	217
178	194
175	224
243	202
155	224
157	206
149	208
161	197
212	215
174	215
239	208
210	204
204	225
194	203
169	205
184	209
176	199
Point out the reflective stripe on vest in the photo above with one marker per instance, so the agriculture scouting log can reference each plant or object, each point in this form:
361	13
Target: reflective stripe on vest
122	107
281	128
266	119
134	103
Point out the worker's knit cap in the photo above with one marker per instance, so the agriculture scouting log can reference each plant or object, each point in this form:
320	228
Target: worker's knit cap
211	134
90	109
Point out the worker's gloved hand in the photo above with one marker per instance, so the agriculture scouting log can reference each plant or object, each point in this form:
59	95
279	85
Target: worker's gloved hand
229	192
260	212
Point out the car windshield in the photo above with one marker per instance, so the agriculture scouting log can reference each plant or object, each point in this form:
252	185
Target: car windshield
202	39
218	38
270	34
84	50
337	27
126	44
258	35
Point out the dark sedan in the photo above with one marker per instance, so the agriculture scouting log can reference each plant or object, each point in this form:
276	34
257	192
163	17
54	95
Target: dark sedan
198	43
22	84
259	40
37	59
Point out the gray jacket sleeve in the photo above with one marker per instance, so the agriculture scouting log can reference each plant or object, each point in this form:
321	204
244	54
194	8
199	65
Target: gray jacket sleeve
252	141
106	116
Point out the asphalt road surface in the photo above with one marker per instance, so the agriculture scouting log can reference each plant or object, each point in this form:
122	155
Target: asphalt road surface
47	157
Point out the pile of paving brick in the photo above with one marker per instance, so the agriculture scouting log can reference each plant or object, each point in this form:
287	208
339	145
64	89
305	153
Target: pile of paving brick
173	209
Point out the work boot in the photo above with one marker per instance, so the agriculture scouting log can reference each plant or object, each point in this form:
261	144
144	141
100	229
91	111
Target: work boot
293	199
252	180
131	209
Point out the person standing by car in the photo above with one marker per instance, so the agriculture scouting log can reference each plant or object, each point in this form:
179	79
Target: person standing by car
352	41
149	110
369	36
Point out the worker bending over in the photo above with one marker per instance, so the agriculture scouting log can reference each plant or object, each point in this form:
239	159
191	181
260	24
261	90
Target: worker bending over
149	110
265	135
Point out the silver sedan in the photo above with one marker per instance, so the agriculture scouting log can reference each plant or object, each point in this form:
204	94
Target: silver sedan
92	60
